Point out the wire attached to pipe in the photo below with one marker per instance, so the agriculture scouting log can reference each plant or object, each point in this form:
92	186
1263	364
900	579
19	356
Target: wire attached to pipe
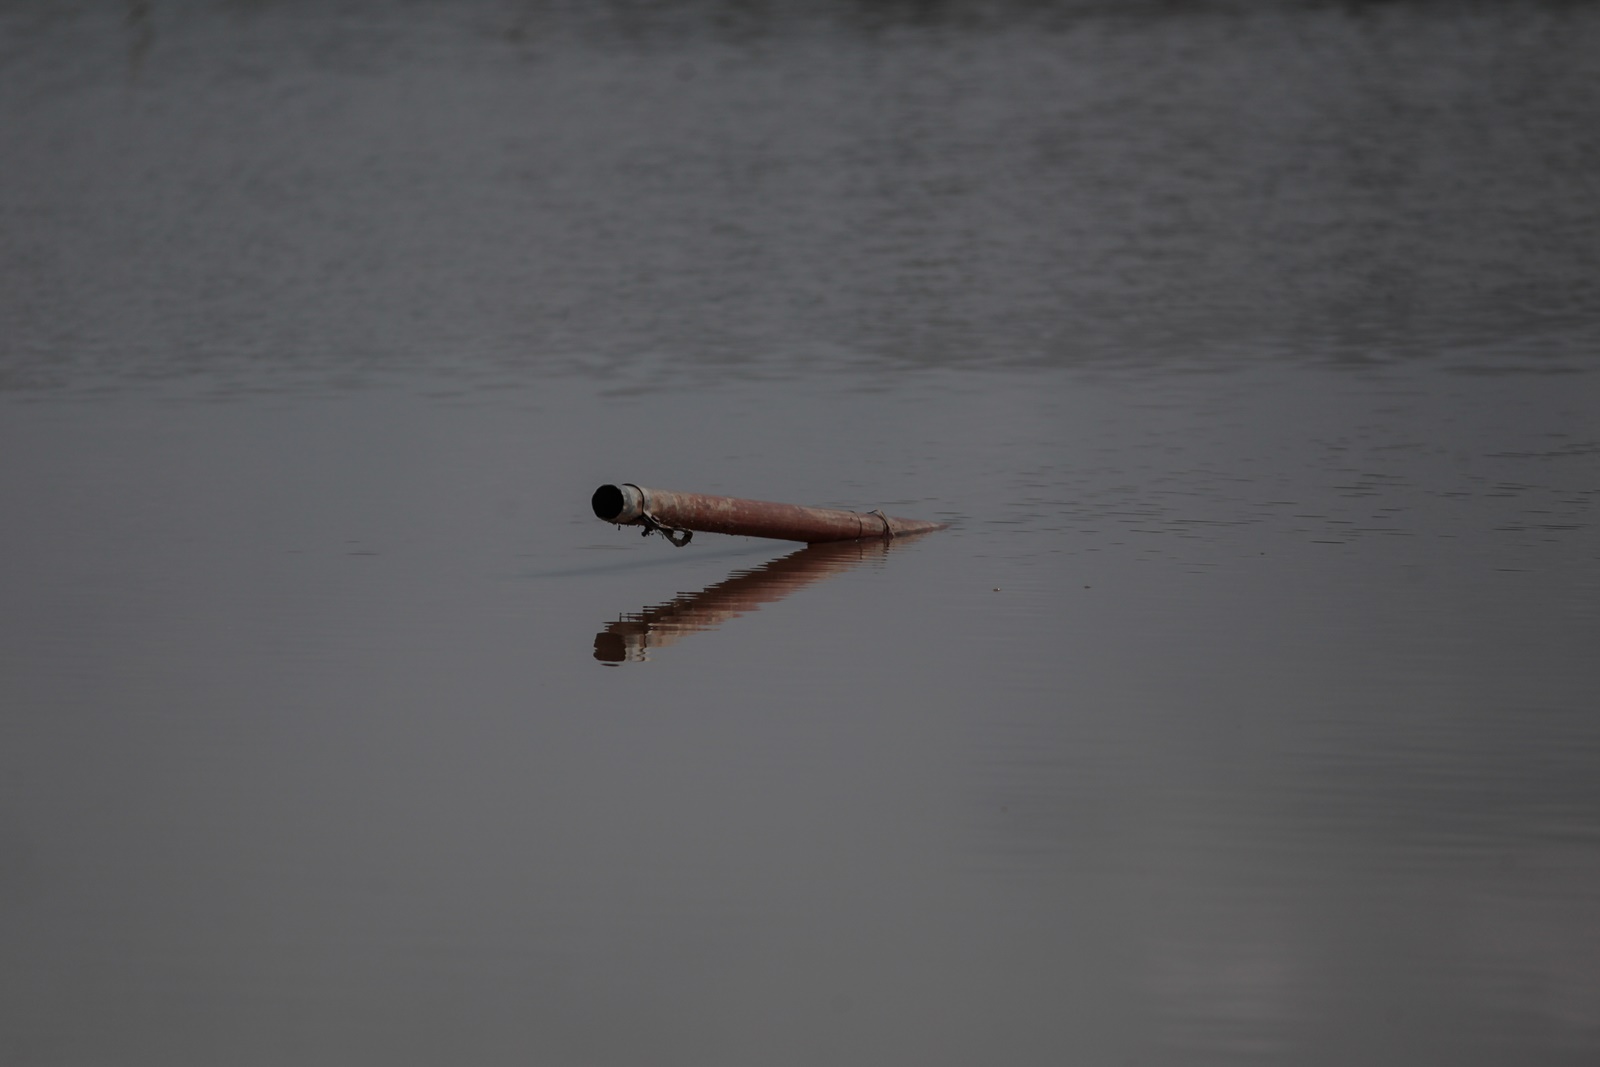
679	538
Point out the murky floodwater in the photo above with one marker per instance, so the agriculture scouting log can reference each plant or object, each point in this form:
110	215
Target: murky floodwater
1247	712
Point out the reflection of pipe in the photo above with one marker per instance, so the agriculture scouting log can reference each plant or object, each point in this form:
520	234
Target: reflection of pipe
632	636
631	505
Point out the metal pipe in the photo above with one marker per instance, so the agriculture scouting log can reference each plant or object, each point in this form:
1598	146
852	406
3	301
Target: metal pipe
632	636
681	513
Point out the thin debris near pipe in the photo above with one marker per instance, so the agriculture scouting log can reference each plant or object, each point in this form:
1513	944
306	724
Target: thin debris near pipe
678	516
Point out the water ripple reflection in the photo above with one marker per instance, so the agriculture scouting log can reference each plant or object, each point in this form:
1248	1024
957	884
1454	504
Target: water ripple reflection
633	636
476	193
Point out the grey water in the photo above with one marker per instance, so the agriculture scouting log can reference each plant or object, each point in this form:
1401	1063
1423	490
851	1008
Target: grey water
1248	712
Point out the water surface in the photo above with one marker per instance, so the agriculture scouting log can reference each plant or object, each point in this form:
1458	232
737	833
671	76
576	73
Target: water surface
1246	713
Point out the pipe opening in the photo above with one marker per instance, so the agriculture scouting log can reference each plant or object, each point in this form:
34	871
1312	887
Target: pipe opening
607	502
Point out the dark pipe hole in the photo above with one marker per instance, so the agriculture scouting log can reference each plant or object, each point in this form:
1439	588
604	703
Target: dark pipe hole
607	502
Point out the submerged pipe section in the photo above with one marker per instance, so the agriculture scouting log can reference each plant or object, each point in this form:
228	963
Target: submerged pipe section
677	515
633	636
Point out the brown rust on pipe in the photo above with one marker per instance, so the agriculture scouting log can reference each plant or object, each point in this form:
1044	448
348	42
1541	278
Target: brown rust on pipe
633	636
633	505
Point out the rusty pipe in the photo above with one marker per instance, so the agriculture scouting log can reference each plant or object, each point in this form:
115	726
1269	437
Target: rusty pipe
632	505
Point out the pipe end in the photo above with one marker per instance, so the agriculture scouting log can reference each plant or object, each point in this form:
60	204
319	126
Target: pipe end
617	503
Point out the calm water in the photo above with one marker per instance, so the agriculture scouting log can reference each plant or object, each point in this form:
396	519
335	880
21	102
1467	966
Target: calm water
1249	712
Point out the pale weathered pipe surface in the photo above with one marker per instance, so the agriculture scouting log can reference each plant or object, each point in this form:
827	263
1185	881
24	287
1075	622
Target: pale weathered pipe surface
629	504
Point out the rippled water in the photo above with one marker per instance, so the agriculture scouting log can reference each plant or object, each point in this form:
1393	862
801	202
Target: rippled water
1246	713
